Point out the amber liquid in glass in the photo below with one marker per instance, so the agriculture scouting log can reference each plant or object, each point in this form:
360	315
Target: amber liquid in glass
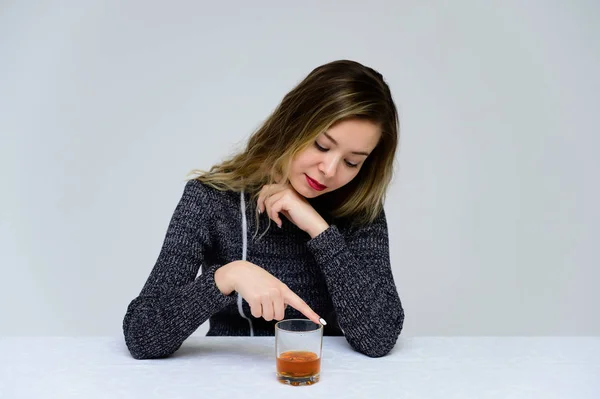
299	364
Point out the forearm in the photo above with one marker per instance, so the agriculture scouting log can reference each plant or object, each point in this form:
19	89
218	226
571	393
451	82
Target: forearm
156	323
363	293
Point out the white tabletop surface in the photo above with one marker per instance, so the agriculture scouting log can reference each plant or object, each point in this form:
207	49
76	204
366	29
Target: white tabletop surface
238	367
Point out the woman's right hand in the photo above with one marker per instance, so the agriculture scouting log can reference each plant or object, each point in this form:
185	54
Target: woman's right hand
266	295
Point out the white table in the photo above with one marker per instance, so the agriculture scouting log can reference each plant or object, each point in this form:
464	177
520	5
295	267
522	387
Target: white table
238	367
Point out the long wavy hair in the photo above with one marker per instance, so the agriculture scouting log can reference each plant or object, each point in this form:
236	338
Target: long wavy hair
331	93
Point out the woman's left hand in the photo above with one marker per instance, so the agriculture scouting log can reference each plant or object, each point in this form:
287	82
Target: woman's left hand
282	198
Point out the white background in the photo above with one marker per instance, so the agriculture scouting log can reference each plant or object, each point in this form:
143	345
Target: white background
105	106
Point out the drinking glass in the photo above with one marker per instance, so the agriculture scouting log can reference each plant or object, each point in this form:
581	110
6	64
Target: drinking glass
298	346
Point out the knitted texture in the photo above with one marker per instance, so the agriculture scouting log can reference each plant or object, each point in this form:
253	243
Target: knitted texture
343	274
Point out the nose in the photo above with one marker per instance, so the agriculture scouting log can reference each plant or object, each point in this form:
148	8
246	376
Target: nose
328	166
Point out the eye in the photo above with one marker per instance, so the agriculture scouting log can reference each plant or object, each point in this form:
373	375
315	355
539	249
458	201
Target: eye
322	149
352	165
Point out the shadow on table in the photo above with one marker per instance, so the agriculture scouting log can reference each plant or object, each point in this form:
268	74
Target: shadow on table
235	350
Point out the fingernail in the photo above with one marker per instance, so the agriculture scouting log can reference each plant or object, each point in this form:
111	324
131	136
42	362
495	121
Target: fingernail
322	320
278	225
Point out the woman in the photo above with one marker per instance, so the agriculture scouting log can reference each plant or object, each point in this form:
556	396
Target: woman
295	219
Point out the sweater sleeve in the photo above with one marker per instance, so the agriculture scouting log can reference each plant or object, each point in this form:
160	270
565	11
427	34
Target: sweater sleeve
359	278
174	302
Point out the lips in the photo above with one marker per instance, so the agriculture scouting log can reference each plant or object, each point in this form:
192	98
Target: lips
315	184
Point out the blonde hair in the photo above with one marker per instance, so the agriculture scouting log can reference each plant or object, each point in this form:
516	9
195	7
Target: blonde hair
333	92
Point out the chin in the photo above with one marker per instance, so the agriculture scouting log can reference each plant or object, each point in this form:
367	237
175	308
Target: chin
305	191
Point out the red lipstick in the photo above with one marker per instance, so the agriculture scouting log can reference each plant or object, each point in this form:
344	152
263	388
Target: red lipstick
314	184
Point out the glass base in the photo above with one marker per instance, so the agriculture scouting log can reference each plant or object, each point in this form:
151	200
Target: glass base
298	381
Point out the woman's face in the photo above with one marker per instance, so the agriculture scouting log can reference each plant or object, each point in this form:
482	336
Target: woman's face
335	158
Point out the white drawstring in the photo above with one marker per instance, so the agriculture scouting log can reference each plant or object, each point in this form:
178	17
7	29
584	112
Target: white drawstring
244	251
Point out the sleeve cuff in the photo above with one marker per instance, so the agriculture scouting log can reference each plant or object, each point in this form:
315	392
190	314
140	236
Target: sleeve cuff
212	291
327	245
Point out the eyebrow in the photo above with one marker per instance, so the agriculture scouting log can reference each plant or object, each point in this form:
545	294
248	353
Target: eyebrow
335	142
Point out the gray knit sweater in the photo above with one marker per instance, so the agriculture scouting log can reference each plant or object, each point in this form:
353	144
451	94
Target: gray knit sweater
343	274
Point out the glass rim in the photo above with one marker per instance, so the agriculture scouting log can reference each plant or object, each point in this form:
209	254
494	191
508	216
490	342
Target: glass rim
278	327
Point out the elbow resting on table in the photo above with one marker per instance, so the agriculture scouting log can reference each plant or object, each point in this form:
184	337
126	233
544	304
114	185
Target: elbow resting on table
374	347
140	350
376	341
141	346
143	336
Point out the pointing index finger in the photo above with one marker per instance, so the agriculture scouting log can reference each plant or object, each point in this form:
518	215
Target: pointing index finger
297	303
